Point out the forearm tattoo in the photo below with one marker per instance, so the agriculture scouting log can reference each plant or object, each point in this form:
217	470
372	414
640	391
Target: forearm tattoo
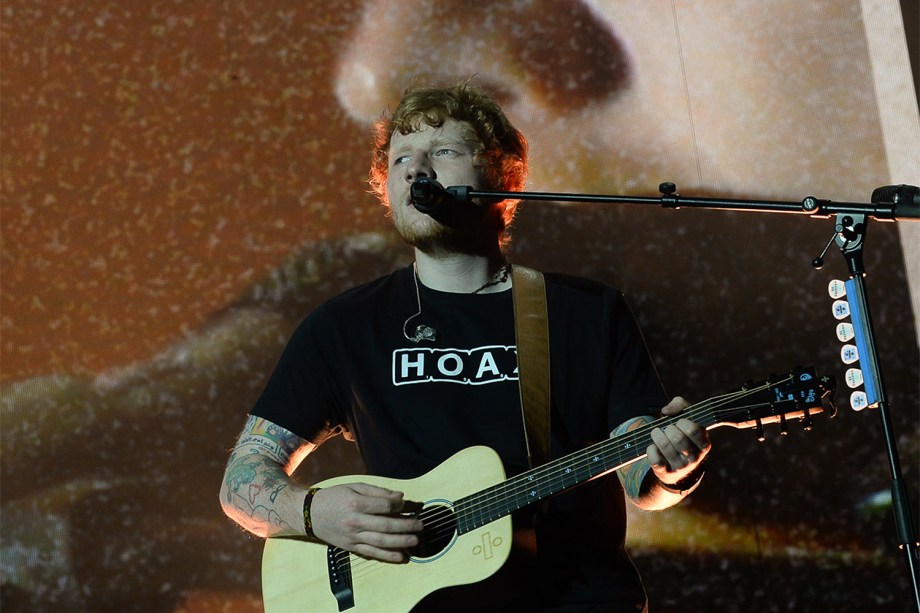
256	481
281	444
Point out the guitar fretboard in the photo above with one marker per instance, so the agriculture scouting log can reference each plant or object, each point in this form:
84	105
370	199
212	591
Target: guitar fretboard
800	390
564	473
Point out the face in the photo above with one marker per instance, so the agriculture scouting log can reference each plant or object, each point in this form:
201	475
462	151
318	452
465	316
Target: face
446	155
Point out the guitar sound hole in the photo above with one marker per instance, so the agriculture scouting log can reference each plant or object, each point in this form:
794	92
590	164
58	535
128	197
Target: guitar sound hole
440	526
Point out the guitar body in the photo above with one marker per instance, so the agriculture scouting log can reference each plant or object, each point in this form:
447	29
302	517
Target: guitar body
296	572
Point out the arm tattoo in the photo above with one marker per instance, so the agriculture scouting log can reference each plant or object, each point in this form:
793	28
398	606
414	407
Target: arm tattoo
281	444
256	483
253	485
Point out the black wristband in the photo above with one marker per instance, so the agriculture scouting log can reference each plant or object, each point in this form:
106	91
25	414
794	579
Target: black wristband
687	484
307	520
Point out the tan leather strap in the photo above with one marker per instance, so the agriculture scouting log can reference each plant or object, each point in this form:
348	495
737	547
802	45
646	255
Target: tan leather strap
531	328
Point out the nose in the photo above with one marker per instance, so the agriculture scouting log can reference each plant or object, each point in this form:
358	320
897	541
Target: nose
520	51
419	167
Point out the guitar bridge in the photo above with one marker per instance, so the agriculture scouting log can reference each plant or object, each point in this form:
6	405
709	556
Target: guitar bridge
338	562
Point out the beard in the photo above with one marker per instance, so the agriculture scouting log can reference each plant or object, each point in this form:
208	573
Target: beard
463	228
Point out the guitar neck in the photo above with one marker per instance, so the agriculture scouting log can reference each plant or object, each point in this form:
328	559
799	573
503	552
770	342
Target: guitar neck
794	396
565	473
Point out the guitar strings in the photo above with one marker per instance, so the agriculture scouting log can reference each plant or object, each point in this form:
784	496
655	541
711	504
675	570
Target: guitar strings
486	503
443	520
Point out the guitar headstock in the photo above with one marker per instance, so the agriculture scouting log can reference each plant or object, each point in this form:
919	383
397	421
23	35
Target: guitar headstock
798	395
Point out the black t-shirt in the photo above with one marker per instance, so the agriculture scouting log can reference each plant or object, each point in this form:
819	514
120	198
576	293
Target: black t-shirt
409	406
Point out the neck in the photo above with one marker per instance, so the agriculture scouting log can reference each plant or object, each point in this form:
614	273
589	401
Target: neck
461	273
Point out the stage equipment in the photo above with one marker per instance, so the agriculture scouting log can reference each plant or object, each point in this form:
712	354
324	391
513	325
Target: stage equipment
889	203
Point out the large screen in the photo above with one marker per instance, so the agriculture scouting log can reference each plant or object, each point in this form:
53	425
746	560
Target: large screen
183	182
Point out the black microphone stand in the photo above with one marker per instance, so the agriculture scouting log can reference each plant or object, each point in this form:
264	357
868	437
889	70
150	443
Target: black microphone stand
849	235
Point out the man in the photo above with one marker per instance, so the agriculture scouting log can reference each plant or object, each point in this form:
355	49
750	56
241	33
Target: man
420	364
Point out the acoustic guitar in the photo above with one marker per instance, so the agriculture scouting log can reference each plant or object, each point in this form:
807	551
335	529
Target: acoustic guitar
466	502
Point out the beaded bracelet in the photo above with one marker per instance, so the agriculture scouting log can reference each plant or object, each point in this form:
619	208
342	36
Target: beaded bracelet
307	520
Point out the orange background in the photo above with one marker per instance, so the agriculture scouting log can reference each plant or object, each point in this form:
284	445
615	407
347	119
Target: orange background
182	182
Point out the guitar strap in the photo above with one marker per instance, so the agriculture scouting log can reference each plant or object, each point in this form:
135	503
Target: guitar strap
531	329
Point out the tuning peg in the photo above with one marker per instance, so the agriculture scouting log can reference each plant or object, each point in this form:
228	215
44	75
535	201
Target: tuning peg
853	377
758	430
837	289
859	400
849	354
845	332
807	422
841	309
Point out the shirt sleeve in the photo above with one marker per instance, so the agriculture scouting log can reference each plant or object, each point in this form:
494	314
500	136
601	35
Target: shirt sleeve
303	392
636	387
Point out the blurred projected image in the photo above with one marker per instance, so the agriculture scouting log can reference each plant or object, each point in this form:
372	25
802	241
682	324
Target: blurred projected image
185	183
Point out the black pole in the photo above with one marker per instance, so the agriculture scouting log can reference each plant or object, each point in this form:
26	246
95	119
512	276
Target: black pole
904	203
851	239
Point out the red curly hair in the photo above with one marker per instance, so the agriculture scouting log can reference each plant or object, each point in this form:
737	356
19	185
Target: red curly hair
500	150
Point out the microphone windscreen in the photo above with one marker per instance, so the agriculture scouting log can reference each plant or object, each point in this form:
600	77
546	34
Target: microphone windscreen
884	194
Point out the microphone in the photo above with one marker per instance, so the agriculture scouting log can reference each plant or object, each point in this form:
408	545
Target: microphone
429	196
905	198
